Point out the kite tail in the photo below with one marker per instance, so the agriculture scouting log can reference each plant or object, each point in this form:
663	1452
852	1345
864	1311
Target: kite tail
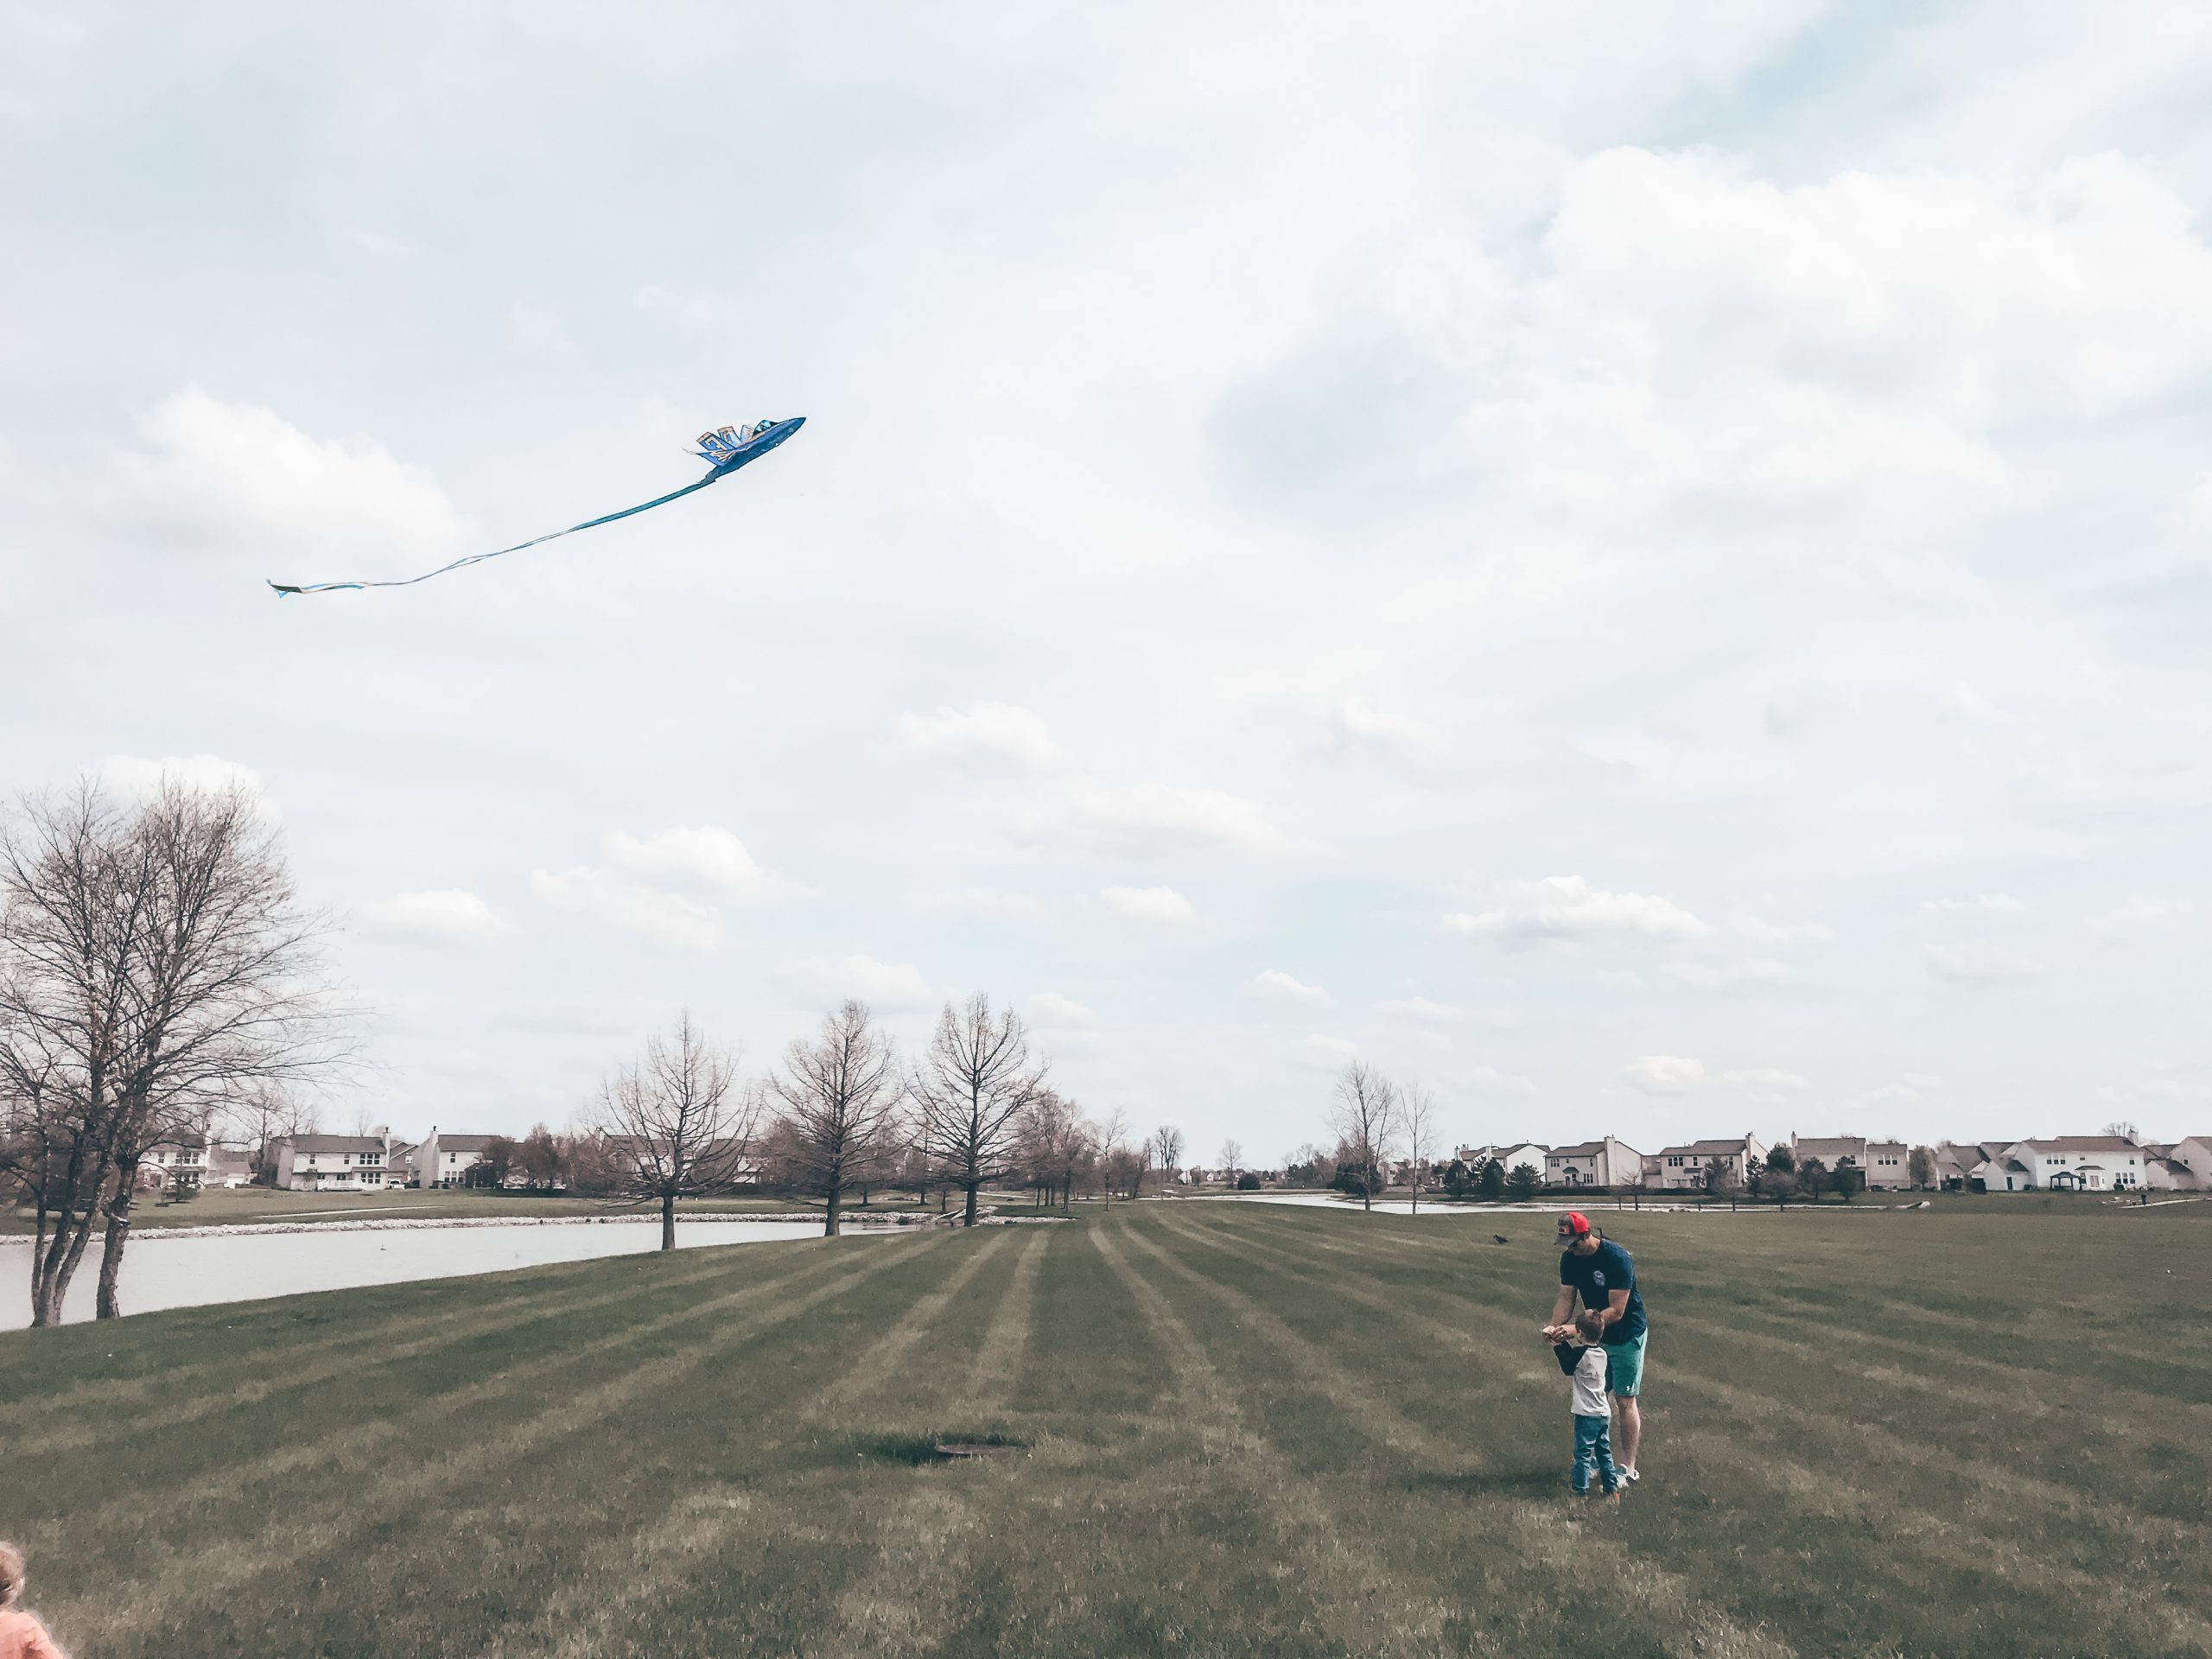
479	558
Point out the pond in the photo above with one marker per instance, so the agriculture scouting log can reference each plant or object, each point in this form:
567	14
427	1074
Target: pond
161	1272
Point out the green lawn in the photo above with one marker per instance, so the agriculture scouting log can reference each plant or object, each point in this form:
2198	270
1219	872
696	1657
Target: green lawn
1245	1430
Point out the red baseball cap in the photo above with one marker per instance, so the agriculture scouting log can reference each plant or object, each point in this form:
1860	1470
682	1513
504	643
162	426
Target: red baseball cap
1574	1222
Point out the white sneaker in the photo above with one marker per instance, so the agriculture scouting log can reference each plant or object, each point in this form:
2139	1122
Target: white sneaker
1631	1476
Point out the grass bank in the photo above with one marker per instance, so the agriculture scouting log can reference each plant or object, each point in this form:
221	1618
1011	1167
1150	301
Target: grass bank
236	1206
1244	1430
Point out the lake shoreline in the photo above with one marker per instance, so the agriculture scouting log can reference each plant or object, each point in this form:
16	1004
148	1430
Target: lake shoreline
252	1228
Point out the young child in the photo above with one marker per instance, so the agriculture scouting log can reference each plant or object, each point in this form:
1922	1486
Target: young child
22	1637
1584	1362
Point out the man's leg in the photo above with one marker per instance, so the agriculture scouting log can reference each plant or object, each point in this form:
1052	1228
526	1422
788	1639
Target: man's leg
1631	1428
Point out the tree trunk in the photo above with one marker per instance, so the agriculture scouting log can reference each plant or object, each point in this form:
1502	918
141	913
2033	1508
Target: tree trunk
829	1222
668	1221
967	1216
108	1306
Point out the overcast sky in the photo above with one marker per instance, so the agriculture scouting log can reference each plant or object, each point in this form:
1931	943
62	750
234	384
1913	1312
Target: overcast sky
1648	565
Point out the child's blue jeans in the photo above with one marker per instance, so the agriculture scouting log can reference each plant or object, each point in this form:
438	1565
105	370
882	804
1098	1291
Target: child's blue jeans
1593	1443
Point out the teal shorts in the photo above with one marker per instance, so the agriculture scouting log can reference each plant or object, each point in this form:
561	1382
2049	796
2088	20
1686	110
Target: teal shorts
1624	1365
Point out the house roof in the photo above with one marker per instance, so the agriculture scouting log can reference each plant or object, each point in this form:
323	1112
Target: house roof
1580	1149
1885	1146
1841	1145
1703	1149
332	1143
465	1142
2083	1143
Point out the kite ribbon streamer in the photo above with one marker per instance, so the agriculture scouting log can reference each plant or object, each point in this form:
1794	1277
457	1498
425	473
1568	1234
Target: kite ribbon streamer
726	457
479	558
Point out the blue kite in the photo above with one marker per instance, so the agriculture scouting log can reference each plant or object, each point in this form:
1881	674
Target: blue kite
724	450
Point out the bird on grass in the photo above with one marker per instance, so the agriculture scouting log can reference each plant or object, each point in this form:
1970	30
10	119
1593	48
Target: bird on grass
1501	1239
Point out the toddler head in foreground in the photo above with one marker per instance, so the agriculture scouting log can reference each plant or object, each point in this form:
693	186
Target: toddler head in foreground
19	1632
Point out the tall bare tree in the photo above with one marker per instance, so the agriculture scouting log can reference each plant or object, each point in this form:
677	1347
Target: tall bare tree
267	1112
970	1088
1054	1142
674	1123
1168	1150
1418	1114
155	966
839	1094
1232	1158
1110	1139
1365	1121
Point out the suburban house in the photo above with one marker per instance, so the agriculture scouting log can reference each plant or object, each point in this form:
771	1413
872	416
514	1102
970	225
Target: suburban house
2194	1153
1593	1163
229	1166
1885	1163
1682	1168
2086	1163
399	1165
181	1161
1508	1155
331	1163
441	1160
1957	1162
2165	1172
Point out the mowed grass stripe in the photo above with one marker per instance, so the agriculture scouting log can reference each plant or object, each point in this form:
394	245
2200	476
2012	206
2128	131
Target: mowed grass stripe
1356	1599
334	1359
223	1567
206	1471
887	1351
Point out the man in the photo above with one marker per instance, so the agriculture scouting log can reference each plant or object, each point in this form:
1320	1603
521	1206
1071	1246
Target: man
1603	1275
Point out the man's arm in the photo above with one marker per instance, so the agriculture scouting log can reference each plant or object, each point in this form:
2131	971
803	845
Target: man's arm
1615	1308
1561	1310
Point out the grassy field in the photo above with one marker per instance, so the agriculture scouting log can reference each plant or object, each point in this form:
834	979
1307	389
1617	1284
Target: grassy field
1240	1430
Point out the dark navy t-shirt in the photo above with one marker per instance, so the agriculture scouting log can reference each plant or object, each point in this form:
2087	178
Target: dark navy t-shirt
1606	1269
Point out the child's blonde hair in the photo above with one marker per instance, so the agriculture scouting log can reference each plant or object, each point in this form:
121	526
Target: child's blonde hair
12	1574
1588	1326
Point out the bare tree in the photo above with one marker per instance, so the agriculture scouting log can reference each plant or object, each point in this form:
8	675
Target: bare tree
1232	1159
971	1087
155	966
265	1112
1418	1115
1168	1150
1054	1142
1365	1121
841	1095
674	1124
1110	1139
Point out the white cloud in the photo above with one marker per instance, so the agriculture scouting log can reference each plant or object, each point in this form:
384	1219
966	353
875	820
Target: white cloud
1053	1011
1280	986
1151	820
1665	1074
990	733
2000	903
450	916
2141	919
692	310
664	918
1162	905
664	887
239	478
139	777
1976	963
1355	724
996	904
1324	1053
1758	971
1568	907
1767	1079
1424	1012
886	987
707	861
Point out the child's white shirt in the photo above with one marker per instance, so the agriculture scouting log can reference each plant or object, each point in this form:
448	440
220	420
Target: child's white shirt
1588	1383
